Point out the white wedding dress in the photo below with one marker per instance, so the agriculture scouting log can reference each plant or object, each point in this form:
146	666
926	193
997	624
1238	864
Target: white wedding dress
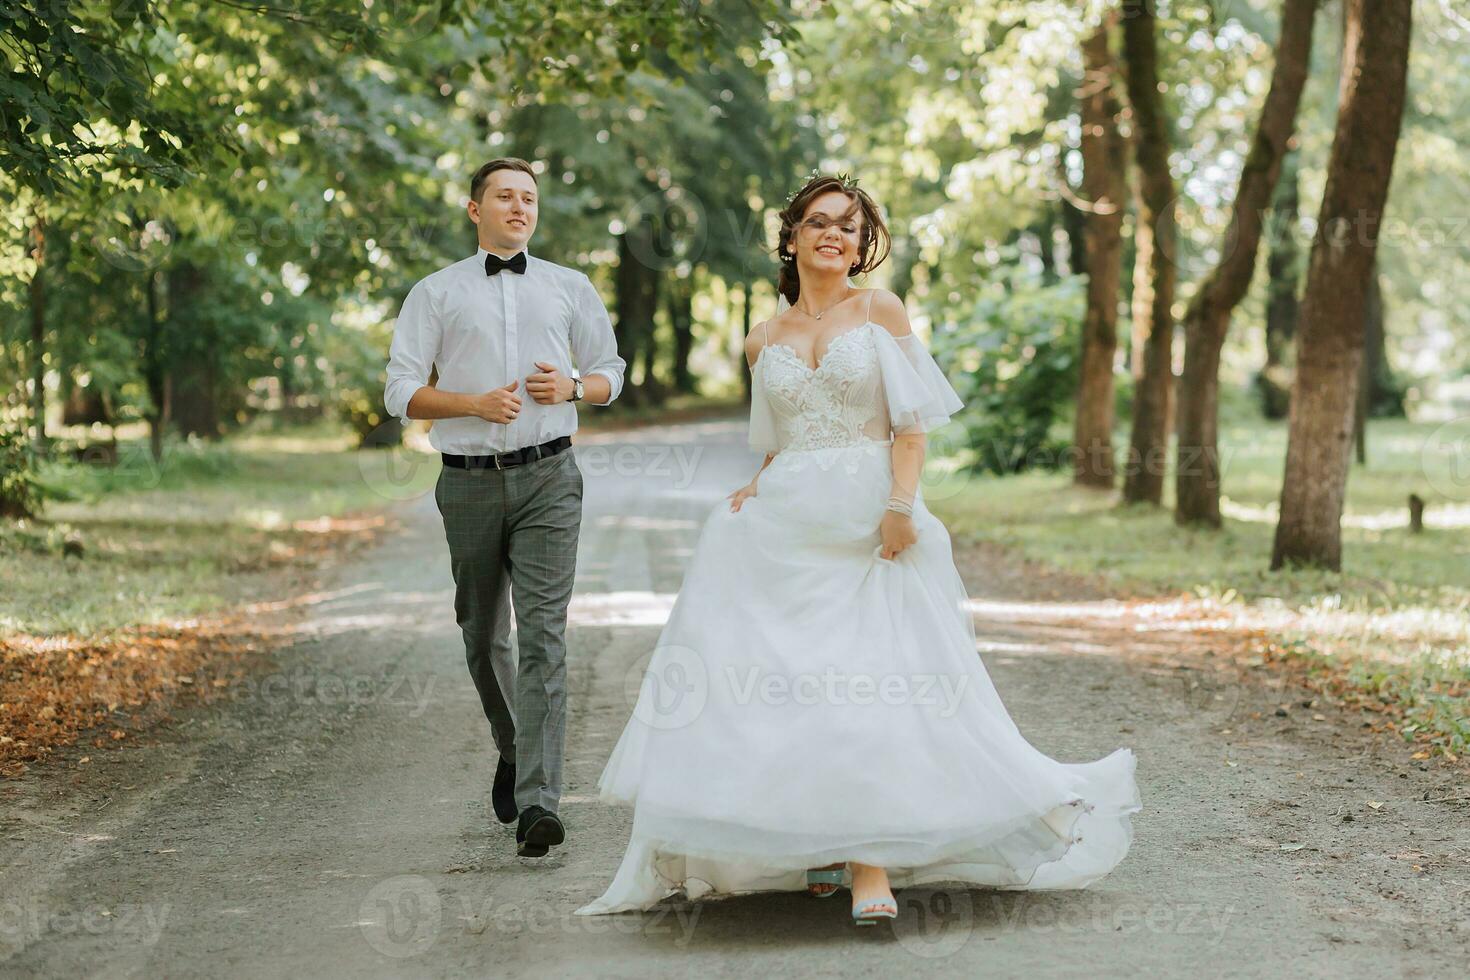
810	702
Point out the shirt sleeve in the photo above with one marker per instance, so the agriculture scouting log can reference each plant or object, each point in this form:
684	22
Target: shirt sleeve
594	345
920	398
416	337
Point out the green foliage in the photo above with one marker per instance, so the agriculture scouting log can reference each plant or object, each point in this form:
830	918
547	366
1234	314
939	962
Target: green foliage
356	383
79	92
251	171
1015	346
31	538
19	493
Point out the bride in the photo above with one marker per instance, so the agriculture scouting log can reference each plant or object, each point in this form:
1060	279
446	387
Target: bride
815	713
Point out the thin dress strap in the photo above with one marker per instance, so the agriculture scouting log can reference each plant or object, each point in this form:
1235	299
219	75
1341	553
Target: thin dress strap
868	316
765	332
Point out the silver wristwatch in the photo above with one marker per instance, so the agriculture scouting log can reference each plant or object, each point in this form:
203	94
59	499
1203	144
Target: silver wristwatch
576	389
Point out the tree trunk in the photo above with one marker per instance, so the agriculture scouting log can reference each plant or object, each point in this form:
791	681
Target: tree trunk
1385	394
1153	296
1360	416
1105	186
38	334
1044	228
83	406
1206	322
681	316
744	373
1372	323
195	409
1330	342
154	374
1283	266
1378	394
636	302
193	379
654	392
1138	288
1074	222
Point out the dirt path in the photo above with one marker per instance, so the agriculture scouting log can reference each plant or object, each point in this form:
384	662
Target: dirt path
332	818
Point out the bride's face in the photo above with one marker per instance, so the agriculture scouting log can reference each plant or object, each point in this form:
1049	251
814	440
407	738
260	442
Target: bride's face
830	234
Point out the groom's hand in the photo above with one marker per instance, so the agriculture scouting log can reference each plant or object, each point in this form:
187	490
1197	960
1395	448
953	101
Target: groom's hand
550	385
499	404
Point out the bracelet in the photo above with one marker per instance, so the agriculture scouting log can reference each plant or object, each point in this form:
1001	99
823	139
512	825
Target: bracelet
898	505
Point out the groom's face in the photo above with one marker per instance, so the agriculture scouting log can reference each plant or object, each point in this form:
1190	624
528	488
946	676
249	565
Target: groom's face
506	212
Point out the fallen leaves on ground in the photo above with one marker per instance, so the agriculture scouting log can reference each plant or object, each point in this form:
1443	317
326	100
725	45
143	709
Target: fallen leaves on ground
55	690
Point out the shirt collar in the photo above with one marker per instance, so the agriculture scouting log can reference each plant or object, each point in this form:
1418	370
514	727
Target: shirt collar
481	252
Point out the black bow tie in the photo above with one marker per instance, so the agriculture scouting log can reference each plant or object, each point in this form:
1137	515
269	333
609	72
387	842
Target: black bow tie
494	263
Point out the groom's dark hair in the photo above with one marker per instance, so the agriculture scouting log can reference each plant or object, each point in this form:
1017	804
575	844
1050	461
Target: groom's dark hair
477	182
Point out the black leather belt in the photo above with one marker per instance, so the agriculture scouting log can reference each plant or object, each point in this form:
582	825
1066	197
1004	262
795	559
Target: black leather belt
505	460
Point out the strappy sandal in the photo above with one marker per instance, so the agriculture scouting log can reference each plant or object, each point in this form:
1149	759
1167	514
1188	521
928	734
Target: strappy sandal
868	913
836	877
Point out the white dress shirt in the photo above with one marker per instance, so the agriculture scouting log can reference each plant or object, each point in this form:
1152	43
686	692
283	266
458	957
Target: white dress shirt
484	332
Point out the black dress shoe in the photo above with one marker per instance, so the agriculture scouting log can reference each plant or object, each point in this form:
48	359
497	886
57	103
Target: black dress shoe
503	793
538	830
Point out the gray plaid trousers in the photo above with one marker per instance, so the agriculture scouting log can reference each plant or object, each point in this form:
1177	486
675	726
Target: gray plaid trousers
512	538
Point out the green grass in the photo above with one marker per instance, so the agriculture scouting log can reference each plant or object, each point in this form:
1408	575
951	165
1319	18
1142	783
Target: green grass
178	539
161	542
1396	620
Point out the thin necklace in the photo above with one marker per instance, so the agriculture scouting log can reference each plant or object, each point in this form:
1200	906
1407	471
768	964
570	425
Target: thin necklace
818	316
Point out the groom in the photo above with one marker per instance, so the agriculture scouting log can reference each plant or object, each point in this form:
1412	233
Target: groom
504	330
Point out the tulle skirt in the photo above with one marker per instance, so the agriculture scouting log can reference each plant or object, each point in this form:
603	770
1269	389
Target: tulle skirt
810	702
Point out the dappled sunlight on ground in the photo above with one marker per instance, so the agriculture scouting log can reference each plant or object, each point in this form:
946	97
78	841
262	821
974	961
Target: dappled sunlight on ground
332	525
635	522
1435	515
619	609
1410	630
310	598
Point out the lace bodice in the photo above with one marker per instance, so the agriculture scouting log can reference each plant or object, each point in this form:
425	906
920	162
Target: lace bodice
840	403
868	386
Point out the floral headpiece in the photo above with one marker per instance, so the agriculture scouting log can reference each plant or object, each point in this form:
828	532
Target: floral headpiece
848	183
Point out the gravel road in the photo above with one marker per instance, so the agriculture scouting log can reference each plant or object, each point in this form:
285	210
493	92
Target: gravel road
332	818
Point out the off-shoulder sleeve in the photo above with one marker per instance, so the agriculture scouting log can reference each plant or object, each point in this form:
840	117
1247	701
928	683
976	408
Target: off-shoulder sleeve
763	438
920	398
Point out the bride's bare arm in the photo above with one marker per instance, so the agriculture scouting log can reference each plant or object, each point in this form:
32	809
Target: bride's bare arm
897	528
754	341
739	497
908	465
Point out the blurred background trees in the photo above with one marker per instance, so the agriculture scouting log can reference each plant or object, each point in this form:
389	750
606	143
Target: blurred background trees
212	210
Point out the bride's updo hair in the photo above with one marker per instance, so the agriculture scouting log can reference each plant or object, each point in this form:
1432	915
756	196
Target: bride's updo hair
873	245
